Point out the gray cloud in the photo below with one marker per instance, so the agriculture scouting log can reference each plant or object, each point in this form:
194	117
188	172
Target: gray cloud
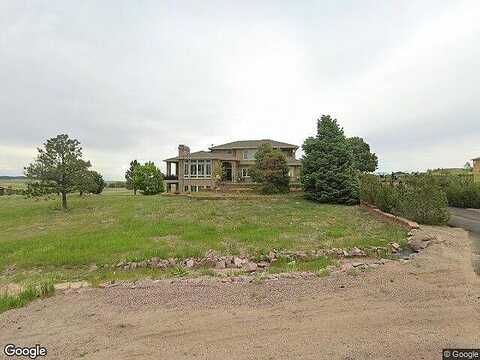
132	80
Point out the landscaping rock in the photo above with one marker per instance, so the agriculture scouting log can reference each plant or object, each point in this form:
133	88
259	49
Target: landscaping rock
263	264
220	265
357	252
238	262
190	263
394	247
420	240
272	256
93	267
250	267
357	264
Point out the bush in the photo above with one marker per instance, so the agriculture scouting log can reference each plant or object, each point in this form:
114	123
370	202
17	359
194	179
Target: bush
461	192
422	199
419	198
148	178
270	170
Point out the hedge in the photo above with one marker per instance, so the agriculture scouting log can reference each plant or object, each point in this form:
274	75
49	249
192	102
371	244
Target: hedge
419	198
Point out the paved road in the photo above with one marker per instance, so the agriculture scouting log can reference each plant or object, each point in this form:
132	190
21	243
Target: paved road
469	219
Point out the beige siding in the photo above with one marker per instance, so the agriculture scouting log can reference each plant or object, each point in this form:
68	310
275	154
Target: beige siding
476	170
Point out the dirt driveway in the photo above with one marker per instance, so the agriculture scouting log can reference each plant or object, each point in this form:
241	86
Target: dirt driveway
398	311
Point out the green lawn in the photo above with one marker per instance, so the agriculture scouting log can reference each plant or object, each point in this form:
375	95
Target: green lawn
104	229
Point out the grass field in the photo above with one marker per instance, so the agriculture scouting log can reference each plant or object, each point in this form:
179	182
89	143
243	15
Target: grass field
39	239
16	184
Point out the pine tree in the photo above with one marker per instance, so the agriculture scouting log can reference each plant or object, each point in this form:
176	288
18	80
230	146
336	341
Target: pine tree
328	175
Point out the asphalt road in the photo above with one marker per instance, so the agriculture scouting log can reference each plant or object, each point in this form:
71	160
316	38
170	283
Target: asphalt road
469	219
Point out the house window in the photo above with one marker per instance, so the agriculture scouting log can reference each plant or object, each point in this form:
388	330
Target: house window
185	188
244	172
198	168
290	172
249	154
193	188
208	168
201	168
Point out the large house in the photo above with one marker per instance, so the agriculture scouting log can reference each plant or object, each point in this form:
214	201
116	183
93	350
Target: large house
476	169
192	171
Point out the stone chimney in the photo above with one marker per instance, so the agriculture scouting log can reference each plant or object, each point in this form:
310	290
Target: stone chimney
183	151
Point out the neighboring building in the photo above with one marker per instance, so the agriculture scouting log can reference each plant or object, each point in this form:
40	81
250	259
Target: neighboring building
476	169
193	171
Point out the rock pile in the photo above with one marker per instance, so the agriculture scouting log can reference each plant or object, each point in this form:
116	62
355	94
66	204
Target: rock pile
211	260
420	239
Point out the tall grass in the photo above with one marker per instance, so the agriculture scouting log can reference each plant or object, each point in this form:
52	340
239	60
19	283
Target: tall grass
27	295
108	228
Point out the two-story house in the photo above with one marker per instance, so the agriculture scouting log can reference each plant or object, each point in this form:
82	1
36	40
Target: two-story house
192	171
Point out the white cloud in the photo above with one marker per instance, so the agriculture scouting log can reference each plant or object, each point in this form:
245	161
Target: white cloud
135	80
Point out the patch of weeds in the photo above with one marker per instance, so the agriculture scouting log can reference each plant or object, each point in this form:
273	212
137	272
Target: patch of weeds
21	299
207	272
179	271
353	272
259	278
316	266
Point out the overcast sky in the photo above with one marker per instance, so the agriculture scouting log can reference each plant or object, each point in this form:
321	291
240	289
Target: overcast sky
133	79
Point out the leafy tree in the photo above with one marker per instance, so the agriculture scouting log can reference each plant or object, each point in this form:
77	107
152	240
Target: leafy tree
91	182
270	170
328	173
468	167
129	176
218	174
363	159
148	178
59	168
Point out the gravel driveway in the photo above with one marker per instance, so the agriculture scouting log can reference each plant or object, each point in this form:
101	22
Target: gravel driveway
397	311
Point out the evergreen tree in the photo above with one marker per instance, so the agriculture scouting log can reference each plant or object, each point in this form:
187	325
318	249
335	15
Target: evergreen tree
59	168
328	174
129	174
363	159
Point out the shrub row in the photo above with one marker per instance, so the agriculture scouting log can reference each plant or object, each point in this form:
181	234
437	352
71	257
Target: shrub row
461	192
419	198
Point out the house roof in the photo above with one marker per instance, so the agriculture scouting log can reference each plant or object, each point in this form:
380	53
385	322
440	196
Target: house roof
252	144
203	155
478	158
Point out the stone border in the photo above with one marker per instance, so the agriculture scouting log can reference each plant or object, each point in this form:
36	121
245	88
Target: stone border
408	224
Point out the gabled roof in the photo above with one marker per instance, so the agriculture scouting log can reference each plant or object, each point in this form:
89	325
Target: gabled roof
476	159
252	144
203	155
